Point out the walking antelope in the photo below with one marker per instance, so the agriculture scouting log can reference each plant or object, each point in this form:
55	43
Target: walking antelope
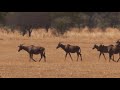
104	49
70	49
33	50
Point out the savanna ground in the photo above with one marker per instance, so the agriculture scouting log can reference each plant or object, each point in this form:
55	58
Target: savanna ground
14	64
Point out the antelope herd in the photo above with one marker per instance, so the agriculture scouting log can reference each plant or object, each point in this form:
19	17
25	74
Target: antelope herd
110	49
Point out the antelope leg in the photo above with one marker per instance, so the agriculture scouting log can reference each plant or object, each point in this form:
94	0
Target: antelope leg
70	56
104	56
44	57
110	57
81	56
99	56
32	57
119	57
77	56
41	57
66	56
113	59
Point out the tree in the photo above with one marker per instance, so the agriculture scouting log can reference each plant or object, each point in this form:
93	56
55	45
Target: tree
2	17
61	21
61	24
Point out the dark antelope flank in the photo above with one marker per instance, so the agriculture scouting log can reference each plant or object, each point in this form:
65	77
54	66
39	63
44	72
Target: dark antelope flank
104	49
33	50
70	49
115	50
118	42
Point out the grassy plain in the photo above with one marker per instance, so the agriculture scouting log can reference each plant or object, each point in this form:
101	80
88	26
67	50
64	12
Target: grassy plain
14	64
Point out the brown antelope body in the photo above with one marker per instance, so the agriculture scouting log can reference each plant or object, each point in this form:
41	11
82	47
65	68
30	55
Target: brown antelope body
105	49
70	49
33	50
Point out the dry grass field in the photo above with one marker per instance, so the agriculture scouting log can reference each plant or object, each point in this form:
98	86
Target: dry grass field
14	64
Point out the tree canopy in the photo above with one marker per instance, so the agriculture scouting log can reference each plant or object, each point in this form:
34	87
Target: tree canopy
62	21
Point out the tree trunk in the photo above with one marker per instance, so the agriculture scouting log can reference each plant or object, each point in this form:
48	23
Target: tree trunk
30	32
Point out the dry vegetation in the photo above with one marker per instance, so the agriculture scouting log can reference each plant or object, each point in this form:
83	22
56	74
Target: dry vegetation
17	65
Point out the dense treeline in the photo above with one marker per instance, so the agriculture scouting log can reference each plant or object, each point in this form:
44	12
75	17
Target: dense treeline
2	17
62	21
90	19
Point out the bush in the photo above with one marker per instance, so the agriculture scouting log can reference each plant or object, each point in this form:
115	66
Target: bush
61	24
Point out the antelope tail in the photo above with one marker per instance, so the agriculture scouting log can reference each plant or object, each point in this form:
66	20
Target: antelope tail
44	52
80	50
